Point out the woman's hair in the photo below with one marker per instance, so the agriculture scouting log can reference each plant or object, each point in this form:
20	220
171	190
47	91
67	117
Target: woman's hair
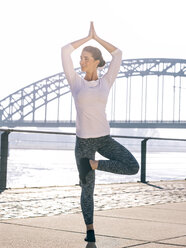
96	54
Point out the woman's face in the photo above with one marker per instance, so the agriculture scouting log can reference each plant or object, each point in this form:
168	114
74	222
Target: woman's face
87	62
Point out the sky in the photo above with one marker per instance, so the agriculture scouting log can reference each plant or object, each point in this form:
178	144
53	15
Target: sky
33	32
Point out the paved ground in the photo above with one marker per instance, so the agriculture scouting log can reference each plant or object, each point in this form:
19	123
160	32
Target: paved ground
127	215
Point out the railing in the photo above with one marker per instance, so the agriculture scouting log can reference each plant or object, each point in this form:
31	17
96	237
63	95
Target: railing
4	149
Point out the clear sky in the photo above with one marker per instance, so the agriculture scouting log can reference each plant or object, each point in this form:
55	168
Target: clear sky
33	31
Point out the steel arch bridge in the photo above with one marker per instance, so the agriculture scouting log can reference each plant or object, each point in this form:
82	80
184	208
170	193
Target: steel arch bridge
147	93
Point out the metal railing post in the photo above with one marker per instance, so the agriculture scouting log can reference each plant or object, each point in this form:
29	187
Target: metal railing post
143	160
3	160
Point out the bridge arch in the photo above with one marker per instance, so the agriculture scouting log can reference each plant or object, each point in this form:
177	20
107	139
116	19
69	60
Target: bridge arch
21	107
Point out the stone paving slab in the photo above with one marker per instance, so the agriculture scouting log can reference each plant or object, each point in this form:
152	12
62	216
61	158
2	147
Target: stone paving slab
152	245
176	241
66	231
23	237
140	230
171	206
157	213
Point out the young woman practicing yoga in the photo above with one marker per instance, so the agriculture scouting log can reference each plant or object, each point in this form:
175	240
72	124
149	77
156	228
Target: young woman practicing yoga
92	128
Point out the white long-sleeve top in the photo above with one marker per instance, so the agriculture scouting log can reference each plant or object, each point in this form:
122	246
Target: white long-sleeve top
90	97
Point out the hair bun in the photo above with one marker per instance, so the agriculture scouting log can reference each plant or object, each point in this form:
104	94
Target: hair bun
102	62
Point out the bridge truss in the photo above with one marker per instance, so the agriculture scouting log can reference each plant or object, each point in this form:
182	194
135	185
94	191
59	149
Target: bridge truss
147	93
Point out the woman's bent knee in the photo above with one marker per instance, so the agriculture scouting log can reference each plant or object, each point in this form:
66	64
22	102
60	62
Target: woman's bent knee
134	169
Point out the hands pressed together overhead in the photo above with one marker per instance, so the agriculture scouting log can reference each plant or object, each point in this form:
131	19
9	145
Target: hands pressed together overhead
92	35
92	32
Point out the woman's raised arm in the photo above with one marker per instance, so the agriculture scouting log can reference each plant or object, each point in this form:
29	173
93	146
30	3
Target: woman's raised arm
116	53
80	42
67	60
109	47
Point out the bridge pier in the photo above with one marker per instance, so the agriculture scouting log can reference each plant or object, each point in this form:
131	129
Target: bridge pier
3	160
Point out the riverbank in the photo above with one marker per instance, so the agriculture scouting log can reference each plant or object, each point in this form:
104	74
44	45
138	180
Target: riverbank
50	201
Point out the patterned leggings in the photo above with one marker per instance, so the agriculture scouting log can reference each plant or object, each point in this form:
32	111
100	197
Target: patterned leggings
121	161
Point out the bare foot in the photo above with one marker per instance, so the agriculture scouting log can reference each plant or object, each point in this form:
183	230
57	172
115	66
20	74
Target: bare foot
93	164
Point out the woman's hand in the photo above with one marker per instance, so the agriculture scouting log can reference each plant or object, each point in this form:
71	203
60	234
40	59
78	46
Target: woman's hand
92	32
80	42
92	35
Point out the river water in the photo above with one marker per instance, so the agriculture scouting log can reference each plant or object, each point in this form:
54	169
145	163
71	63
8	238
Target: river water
40	167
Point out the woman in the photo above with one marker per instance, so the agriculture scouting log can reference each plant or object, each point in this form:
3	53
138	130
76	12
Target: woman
92	129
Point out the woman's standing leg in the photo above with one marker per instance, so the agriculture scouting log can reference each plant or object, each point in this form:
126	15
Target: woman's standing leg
85	148
121	161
